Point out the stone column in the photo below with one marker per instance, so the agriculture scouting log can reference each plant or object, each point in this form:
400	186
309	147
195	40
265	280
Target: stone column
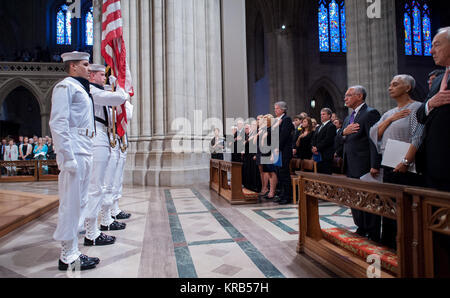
372	51
45	118
283	72
234	47
175	60
97	55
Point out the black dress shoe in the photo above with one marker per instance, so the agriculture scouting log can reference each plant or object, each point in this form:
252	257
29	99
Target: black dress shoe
101	240
361	232
284	202
122	215
276	199
82	263
91	259
115	226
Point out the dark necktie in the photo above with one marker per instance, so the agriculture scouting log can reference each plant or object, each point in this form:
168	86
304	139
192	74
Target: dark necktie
352	117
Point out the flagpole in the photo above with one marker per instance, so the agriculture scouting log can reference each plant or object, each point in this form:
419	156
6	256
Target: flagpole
113	142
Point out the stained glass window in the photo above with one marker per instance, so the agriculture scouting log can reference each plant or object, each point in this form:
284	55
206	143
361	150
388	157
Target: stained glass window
63	26
408	38
343	29
60	27
416	30
332	27
426	31
417	23
324	37
90	28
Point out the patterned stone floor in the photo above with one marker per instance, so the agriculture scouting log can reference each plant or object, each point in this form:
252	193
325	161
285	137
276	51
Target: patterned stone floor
187	232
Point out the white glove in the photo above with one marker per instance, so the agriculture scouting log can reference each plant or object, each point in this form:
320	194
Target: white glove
124	93
70	166
113	81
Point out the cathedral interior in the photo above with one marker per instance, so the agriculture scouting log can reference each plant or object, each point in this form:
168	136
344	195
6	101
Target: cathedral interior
200	60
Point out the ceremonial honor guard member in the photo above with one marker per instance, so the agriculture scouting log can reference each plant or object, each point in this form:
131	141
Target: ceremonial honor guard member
114	184
73	129
101	154
115	211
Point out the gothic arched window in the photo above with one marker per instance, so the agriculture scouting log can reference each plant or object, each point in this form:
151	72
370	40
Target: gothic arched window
63	26
332	26
89	20
417	25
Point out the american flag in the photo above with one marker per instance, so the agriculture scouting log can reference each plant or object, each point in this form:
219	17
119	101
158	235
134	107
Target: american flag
115	54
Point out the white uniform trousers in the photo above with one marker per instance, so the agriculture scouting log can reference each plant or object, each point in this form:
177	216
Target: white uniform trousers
110	189
119	183
97	189
73	197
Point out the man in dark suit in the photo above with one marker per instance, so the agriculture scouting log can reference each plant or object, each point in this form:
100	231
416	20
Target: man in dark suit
432	158
338	147
297	132
2	149
238	145
285	134
323	142
360	154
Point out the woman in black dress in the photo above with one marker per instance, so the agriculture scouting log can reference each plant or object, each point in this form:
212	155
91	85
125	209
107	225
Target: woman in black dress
269	169
303	143
217	145
51	155
251	177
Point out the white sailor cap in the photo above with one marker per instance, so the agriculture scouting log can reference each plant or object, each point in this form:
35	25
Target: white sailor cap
97	67
75	56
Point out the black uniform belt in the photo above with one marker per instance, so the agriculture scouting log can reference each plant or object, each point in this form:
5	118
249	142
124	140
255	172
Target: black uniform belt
102	121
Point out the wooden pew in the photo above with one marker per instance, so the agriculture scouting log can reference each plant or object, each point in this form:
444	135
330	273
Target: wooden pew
40	170
303	165
427	217
423	225
214	174
22	167
48	170
226	180
375	198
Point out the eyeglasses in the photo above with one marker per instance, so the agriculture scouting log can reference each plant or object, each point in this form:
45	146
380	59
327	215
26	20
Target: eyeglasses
350	95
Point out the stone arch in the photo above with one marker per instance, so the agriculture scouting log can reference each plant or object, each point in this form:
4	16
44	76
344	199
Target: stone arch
12	84
24	108
327	84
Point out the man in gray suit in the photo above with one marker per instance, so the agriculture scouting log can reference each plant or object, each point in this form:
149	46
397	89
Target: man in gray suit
360	154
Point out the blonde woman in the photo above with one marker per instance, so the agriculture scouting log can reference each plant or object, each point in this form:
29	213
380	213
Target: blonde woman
268	169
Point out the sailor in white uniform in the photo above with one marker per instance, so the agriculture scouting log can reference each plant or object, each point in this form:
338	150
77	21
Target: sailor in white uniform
101	153
116	212
108	222
73	129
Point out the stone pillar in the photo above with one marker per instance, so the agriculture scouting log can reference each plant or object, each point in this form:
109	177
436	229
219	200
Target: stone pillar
45	118
372	51
175	60
97	55
234	47
283	72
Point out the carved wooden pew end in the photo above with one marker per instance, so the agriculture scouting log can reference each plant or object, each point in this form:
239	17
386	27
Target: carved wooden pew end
340	248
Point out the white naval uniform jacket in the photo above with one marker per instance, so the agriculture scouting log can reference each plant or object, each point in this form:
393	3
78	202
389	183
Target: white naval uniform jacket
71	120
103	99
